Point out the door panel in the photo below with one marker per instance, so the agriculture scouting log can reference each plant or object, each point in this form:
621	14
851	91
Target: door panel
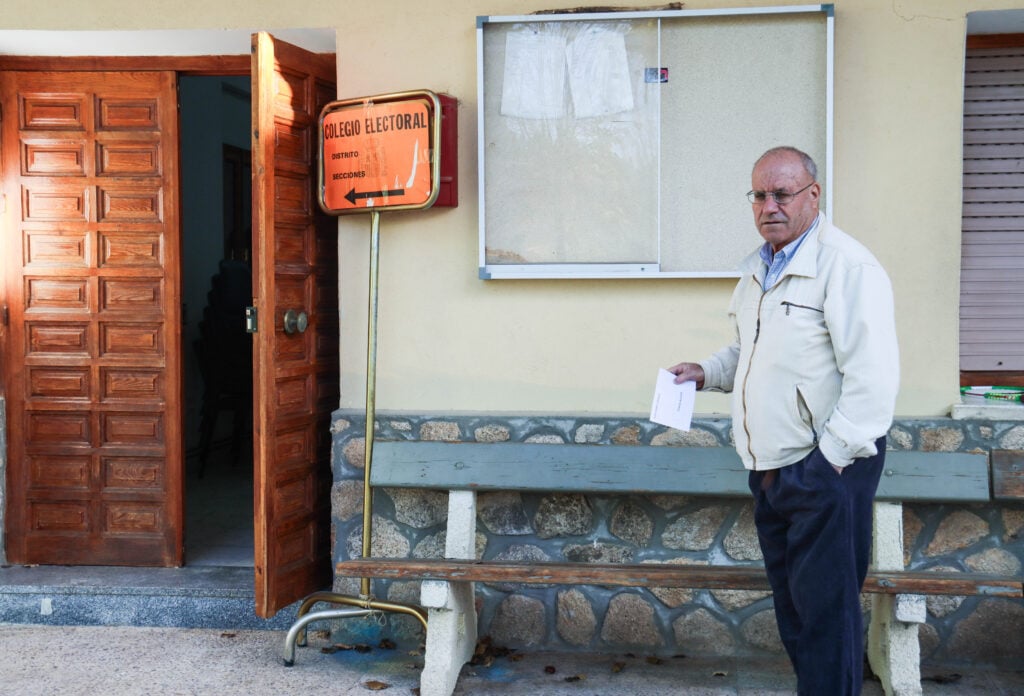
90	245
295	374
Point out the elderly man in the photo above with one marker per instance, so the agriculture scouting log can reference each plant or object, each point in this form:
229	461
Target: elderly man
814	372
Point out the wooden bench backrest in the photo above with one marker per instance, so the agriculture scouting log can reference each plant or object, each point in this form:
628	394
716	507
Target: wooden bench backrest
711	471
1008	474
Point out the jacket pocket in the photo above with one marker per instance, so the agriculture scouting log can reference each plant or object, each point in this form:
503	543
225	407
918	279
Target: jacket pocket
793	306
806	415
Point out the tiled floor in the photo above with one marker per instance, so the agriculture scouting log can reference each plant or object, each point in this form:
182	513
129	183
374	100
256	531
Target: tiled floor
219	511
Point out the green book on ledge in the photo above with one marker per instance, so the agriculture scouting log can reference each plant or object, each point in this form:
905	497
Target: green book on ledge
1004	393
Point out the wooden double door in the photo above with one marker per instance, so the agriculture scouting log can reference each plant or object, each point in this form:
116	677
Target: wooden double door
90	320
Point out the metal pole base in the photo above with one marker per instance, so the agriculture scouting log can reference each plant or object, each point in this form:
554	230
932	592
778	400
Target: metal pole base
363	602
300	627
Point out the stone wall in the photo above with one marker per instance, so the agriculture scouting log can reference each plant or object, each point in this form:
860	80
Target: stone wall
662	529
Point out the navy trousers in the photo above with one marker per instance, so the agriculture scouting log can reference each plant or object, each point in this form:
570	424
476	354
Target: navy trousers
814	527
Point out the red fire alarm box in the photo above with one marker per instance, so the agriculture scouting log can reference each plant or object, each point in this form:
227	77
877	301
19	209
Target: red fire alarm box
448	195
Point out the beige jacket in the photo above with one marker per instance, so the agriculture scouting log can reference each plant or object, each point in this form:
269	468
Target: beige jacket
815	362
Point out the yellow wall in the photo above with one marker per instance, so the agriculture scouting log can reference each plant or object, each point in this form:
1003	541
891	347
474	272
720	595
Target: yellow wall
451	342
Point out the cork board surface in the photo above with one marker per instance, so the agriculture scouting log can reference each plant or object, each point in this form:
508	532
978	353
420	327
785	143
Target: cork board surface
592	154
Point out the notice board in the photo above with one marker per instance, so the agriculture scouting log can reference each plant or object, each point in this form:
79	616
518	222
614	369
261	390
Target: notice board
620	144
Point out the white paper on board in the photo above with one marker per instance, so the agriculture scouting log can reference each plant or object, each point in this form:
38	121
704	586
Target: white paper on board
599	74
533	83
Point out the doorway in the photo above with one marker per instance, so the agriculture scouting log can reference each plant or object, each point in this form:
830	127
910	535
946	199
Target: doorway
216	229
98	438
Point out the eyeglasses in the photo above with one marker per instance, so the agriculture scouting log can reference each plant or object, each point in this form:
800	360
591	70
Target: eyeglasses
781	197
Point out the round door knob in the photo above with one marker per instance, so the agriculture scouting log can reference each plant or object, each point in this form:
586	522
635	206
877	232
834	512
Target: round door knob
295	321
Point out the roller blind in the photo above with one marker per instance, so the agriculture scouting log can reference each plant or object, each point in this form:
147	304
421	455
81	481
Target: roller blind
992	260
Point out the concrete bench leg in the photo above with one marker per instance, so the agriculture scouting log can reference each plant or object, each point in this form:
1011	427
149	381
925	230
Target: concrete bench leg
451	634
893	648
451	606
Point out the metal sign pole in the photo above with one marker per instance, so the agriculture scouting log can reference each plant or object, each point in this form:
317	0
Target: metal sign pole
371	391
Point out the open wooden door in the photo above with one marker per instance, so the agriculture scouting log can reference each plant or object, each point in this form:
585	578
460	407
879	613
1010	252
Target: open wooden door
90	248
295	253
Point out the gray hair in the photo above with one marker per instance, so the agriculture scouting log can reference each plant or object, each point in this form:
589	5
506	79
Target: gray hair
806	159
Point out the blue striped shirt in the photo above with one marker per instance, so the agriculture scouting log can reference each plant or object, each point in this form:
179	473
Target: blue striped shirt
778	261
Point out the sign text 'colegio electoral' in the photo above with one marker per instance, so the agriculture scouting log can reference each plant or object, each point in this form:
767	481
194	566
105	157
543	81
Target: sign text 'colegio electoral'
377	153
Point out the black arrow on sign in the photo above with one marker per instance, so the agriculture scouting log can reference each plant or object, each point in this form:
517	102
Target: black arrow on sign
351	196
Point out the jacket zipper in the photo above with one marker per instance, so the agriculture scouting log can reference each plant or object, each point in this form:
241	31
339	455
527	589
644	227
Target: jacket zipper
746	376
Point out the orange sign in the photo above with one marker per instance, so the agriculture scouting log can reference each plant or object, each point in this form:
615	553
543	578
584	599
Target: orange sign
377	153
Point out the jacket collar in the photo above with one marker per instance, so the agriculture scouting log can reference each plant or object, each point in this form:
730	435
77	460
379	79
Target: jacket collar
804	262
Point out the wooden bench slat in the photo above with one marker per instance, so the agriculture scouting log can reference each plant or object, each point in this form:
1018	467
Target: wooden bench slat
927	583
934	477
634	575
1007	474
662	575
545	467
712	471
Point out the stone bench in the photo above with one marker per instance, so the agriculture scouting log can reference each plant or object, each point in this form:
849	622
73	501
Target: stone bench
463	469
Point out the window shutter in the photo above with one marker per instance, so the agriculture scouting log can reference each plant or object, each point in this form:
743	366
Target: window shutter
992	260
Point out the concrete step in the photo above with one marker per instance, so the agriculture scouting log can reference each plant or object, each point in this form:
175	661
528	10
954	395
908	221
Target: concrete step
189	597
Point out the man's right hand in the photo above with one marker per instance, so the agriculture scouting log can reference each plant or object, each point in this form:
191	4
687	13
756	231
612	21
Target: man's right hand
686	372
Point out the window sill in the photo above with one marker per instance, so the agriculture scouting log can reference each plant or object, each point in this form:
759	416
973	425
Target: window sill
980	408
